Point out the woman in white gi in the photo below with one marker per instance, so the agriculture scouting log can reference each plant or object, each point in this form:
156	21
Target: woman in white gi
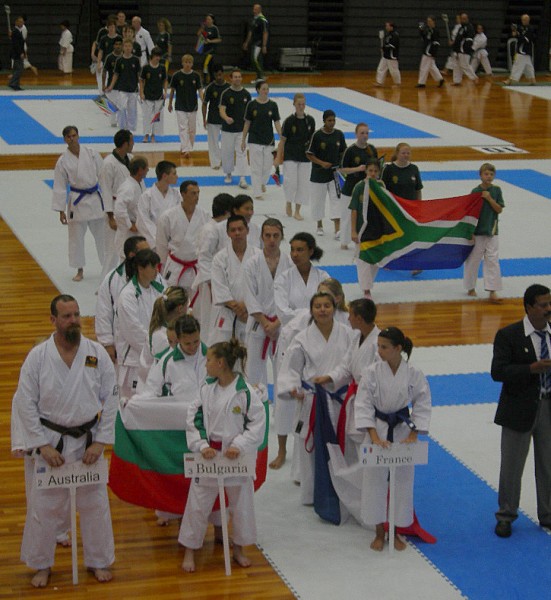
480	52
134	309
229	417
66	48
314	351
386	390
263	323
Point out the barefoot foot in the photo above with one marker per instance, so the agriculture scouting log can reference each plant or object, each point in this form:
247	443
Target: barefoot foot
278	461
79	276
289	209
162	522
102	575
472	293
240	558
377	544
40	578
188	565
494	298
399	543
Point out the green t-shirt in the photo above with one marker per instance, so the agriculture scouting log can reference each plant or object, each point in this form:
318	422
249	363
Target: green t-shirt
211	97
235	103
186	86
261	116
154	80
328	147
128	70
405	182
353	157
488	219
297	133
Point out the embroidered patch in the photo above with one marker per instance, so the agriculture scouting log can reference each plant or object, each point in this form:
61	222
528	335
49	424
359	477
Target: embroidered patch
91	361
236	410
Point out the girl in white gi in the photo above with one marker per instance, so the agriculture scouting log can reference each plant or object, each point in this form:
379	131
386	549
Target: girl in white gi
229	417
167	308
480	53
66	49
314	351
243	205
134	309
386	390
263	323
294	287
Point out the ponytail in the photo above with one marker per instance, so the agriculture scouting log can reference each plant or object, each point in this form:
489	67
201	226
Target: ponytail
172	298
397	338
231	352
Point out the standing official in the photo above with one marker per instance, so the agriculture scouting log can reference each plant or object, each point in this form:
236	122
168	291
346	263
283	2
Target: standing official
143	38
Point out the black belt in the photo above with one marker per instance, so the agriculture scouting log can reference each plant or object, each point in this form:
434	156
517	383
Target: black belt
75	432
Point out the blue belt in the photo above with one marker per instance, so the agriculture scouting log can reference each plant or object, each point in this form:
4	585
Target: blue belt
393	419
86	192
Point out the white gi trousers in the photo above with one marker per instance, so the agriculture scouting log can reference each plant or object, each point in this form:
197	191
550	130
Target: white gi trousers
149	109
65	61
127	115
127	378
318	193
480	57
346	226
462	67
110	254
234	160
296	180
199	504
187	126
426	67
522	66
77	231
213	137
385	65
261	159
486	248
257	367
366	273
219	334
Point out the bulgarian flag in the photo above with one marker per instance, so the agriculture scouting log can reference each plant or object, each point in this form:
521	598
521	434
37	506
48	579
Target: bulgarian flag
147	465
412	234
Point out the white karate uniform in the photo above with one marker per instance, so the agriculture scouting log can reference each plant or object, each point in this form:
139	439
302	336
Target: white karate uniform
143	38
65	60
69	397
126	211
296	181
187	129
151	205
428	66
108	294
234	159
112	175
385	65
309	356
480	54
156	347
134	310
381	389
149	109
259	298
262	160
228	283
522	65
462	67
214	136
291	293
318	194
177	241
80	172
127	115
235	416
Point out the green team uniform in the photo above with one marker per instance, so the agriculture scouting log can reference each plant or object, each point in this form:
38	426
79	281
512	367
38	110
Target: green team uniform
235	103
355	156
154	79
128	70
297	133
211	97
261	116
488	219
186	86
405	182
328	147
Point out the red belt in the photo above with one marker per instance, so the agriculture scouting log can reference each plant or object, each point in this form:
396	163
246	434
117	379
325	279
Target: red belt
215	445
186	264
341	423
268	339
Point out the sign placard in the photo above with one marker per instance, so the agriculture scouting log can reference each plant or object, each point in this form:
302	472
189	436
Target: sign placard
71	475
398	455
219	466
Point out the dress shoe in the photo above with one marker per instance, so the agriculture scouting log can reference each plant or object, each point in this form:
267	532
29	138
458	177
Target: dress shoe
503	529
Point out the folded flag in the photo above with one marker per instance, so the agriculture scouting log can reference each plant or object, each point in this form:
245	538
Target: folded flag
156	117
410	234
105	105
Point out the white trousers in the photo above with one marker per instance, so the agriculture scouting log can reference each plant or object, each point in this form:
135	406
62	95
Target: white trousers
127	115
257	367
127	378
318	193
202	308
172	272
214	134
426	67
234	160
366	274
462	67
346	226
522	66
284	416
199	504
121	235
48	509
481	58
385	65
149	109
65	62
77	232
296	180
486	248
110	254
261	159
187	126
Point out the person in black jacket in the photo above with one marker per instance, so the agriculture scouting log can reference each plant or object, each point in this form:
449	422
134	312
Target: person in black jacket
431	43
390	49
526	36
17	54
463	49
521	362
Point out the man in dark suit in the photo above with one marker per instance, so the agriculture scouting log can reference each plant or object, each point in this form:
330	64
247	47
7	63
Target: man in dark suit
17	54
521	362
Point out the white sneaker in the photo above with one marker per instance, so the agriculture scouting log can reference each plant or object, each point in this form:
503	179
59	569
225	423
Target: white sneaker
227	179
319	231
243	183
338	235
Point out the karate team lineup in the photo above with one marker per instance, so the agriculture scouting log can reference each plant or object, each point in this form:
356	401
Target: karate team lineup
210	308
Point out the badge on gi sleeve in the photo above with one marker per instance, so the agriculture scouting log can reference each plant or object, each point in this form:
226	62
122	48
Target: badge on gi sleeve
236	410
91	361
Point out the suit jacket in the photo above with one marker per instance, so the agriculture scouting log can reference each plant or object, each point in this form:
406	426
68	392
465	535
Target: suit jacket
518	401
17	44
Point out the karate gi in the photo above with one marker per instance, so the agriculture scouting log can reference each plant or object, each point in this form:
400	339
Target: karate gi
112	175
143	38
309	356
291	293
151	205
259	298
126	211
134	310
176	244
66	50
234	416
108	294
228	283
80	173
480	54
157	347
69	397
381	389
